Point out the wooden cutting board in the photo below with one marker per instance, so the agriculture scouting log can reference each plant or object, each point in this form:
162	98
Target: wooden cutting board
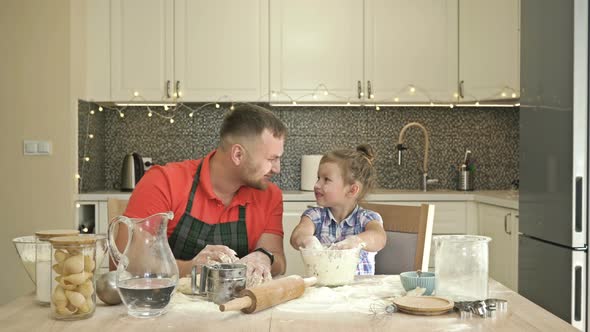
423	305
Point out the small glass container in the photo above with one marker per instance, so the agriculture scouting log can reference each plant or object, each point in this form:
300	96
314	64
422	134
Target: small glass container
73	294
43	262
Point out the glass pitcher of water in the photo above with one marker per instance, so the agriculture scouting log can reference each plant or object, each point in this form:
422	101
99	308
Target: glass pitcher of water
461	266
147	273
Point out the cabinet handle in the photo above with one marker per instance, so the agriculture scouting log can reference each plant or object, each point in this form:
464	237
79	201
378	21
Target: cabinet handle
177	89
506	224
168	89
359	89
461	89
369	92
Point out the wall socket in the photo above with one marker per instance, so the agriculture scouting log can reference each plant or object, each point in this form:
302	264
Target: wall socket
145	160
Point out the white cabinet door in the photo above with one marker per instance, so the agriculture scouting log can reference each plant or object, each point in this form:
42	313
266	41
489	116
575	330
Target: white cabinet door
291	216
314	46
489	49
501	225
411	44
141	49
221	49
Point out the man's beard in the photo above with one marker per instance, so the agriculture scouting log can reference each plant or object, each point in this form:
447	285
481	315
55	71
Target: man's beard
260	184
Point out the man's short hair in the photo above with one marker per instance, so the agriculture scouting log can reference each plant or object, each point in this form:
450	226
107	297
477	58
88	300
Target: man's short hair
247	121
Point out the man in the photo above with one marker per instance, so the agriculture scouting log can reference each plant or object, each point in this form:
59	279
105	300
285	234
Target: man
224	204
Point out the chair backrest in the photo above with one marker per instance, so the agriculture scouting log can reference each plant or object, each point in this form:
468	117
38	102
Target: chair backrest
409	234
116	207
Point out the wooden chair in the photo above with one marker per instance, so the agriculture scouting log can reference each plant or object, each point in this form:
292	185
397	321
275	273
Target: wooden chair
409	233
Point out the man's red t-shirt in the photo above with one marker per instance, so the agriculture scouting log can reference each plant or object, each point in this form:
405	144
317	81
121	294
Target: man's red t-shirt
167	188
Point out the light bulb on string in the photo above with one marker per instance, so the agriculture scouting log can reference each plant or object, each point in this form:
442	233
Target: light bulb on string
477	103
86	158
514	95
150	114
377	108
217	105
451	106
325	93
372	96
77	205
503	94
171	120
179	93
100	108
91	112
136	93
294	102
77	176
396	99
412	89
122	114
232	107
90	136
314	96
166	107
347	103
190	114
273	94
455	95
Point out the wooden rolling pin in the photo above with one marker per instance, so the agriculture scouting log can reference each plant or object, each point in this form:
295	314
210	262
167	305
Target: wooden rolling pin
269	294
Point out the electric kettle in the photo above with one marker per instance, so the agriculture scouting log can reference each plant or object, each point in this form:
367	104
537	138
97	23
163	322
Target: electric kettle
133	169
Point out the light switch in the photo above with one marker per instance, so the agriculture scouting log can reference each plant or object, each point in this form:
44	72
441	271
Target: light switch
30	147
44	147
36	148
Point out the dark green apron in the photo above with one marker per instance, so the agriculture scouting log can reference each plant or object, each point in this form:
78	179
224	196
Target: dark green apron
191	235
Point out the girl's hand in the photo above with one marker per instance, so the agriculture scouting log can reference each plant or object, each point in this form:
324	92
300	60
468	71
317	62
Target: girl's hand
349	243
311	242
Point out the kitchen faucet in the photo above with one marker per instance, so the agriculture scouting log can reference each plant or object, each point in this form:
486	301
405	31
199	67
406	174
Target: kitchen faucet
400	148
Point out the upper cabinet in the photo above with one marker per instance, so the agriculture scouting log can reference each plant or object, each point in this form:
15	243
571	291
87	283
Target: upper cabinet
331	51
195	50
141	49
489	49
411	50
316	51
355	50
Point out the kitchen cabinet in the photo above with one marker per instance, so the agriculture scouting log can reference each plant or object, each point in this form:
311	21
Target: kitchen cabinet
501	224
411	44
323	55
195	50
291	216
354	50
489	49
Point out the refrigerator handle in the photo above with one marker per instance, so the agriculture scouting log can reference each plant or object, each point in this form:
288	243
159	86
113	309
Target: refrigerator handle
578	304
579	201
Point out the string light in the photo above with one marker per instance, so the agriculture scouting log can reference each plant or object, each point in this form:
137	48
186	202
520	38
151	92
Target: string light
217	105
86	158
166	107
171	120
150	114
77	205
92	112
100	109
90	136
136	94
122	114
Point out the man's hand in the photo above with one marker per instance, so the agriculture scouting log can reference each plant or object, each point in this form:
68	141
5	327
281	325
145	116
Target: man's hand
258	268
349	243
215	253
311	242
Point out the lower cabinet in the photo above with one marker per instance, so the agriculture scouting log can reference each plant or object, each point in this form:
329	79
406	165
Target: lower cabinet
291	215
501	224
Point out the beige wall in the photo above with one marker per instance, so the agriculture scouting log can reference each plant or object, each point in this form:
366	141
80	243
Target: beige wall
37	89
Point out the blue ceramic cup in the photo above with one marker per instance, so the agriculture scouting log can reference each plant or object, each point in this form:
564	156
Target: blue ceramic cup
411	280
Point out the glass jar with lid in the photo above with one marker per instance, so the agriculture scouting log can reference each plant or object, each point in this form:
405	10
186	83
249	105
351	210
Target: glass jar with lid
74	264
43	262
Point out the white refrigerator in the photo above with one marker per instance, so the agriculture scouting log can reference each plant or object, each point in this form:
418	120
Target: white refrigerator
553	201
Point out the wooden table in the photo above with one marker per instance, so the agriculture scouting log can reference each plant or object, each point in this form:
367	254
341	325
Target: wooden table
347	308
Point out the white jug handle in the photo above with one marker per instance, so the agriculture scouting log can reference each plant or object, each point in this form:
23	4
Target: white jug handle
118	257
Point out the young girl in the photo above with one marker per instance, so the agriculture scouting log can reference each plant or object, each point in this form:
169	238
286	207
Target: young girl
344	178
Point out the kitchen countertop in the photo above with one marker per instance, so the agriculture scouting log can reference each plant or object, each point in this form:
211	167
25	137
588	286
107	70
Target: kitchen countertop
503	198
346	308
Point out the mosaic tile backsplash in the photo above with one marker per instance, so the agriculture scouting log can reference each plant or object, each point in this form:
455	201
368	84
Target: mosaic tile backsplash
490	133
